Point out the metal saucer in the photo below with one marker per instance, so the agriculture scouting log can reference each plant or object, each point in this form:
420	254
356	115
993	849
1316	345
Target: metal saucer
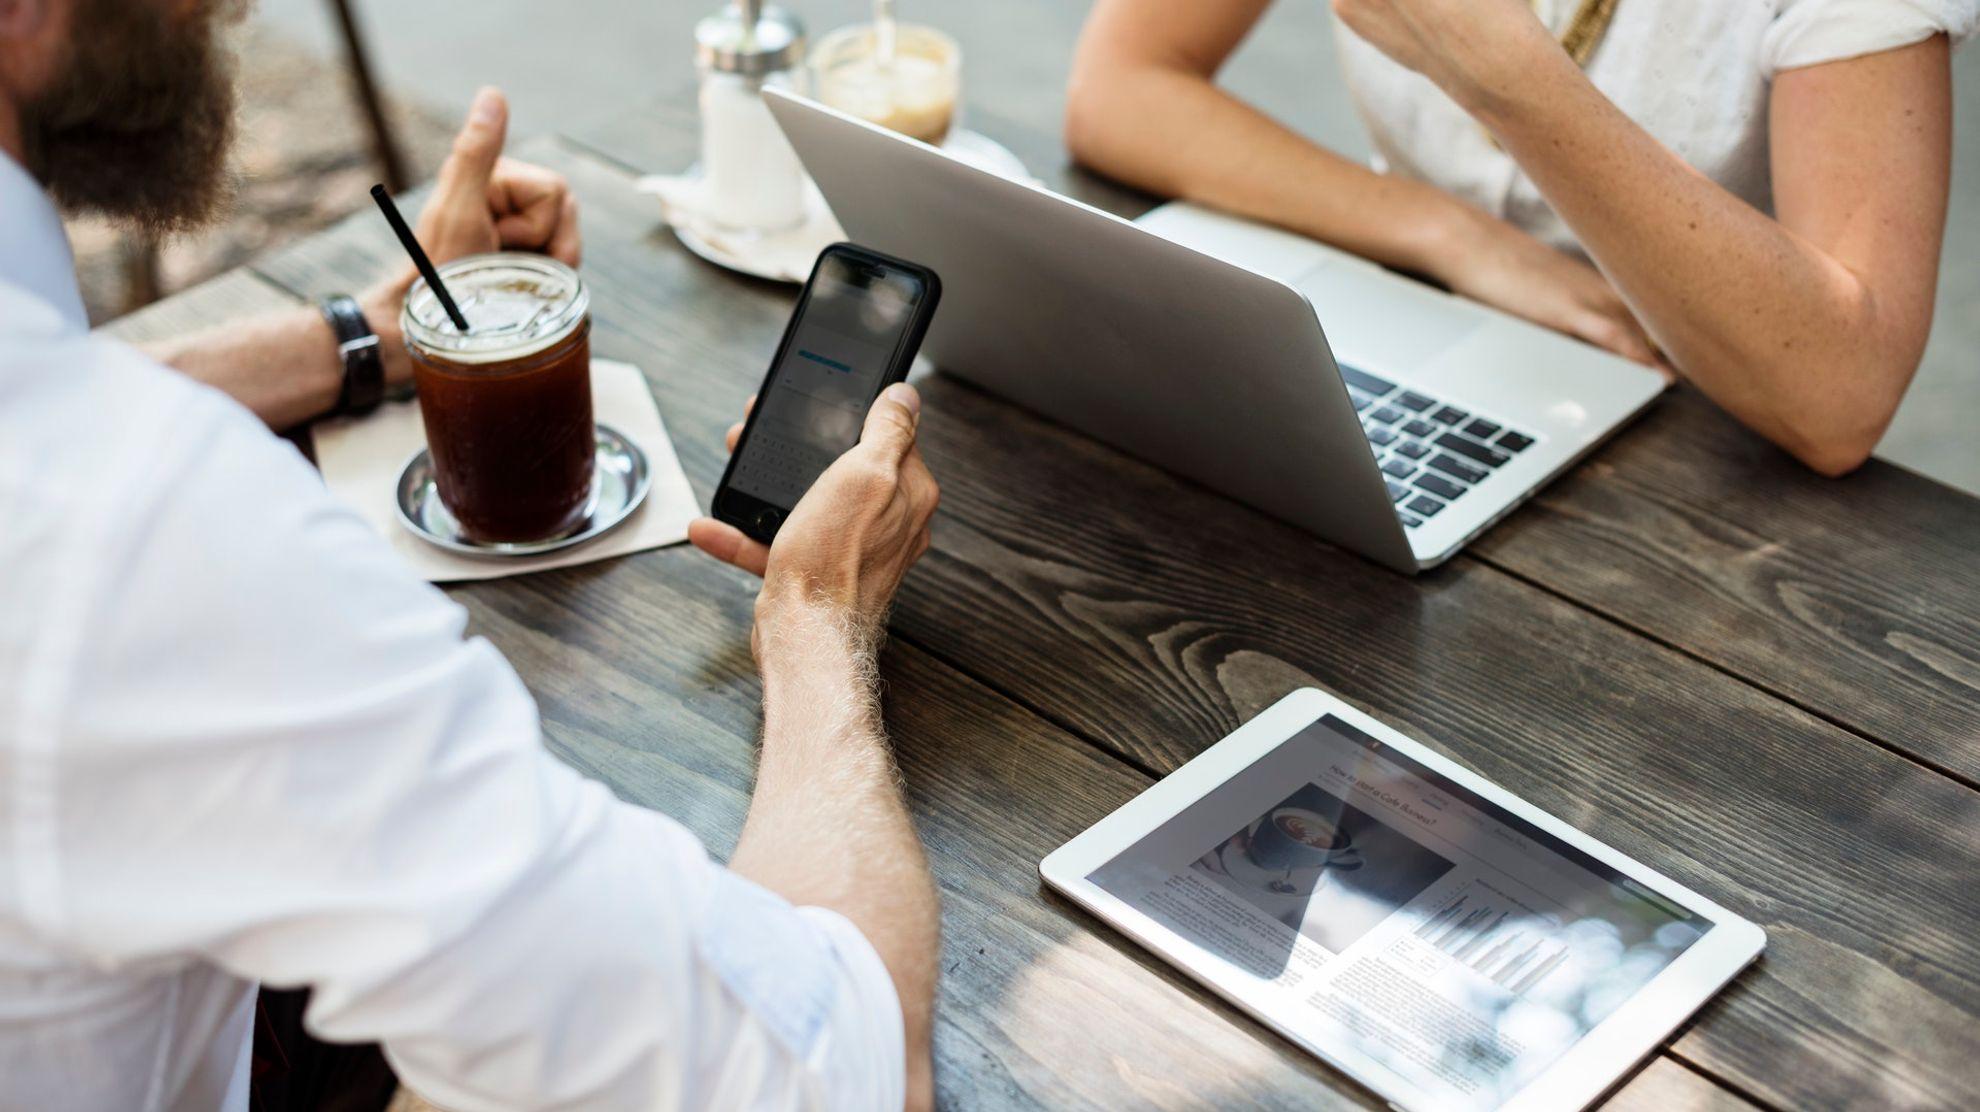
619	481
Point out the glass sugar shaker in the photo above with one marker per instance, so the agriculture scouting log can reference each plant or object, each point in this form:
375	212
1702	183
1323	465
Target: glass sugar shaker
752	179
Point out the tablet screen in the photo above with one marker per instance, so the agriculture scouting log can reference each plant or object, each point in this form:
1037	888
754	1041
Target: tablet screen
1372	904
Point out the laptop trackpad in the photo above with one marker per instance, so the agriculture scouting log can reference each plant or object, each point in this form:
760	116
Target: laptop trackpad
1382	319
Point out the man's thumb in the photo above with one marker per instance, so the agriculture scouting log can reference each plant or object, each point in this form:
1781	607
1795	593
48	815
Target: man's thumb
478	145
891	422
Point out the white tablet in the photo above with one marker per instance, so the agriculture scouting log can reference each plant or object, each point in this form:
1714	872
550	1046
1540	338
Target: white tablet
1421	929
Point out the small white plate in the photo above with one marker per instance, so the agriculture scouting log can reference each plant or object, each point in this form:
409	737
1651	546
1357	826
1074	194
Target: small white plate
787	256
619	480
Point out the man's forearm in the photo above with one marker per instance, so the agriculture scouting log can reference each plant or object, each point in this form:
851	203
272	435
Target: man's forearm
827	826
284	365
1175	133
826	766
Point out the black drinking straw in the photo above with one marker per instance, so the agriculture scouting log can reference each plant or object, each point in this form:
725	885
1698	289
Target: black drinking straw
419	258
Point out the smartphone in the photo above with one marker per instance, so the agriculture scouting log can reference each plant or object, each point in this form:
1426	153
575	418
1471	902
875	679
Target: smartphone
854	332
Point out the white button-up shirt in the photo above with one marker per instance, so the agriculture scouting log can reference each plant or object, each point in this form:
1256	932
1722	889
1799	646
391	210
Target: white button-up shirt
239	743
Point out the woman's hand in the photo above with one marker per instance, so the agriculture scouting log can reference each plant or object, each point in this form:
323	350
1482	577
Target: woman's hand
1472	49
1478	51
1491	261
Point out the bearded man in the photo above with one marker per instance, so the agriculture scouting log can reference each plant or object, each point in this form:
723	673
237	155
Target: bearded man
240	744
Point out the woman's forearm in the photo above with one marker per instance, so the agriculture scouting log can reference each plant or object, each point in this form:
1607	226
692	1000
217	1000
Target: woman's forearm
1776	329
1173	132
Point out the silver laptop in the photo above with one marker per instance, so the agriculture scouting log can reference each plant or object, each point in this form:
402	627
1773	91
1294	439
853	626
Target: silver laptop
1194	341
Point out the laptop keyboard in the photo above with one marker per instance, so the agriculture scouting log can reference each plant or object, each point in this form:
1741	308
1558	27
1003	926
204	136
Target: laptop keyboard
1431	452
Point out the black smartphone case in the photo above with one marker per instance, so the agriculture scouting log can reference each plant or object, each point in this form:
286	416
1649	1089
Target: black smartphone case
759	519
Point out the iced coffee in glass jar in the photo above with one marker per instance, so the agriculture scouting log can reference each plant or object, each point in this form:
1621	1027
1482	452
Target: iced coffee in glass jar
507	405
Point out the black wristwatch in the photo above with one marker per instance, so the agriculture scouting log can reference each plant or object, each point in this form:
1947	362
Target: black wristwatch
357	346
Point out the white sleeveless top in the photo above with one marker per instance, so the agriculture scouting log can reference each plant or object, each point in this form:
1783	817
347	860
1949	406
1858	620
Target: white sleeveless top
1694	73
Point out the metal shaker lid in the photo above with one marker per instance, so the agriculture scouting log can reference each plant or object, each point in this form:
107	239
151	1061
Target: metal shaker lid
749	38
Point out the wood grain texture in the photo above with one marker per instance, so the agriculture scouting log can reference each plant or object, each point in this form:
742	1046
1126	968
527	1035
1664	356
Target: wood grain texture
1149	616
230	296
1665	1086
1157	617
531	620
1857	599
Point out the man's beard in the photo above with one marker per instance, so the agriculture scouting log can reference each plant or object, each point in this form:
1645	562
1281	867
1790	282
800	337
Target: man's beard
137	123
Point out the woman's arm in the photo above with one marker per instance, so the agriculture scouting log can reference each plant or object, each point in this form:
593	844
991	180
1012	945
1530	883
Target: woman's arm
1143	107
1807	326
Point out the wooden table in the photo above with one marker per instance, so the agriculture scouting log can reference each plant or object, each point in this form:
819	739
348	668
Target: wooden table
1763	683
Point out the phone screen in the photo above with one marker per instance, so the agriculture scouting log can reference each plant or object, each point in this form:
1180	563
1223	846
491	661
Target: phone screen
852	322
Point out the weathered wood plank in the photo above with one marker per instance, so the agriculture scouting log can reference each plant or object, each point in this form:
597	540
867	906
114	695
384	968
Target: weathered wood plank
230	296
359	250
1665	1086
1152	617
1857	598
1155	617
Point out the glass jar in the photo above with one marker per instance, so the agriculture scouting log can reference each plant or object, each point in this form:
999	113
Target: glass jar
507	405
914	93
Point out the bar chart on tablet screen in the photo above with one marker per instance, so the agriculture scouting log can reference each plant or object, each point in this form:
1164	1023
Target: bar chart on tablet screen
1513	946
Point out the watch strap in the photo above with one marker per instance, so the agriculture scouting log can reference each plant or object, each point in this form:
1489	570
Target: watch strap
357	347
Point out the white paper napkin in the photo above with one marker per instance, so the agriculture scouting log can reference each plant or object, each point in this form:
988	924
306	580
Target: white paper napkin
785	256
361	459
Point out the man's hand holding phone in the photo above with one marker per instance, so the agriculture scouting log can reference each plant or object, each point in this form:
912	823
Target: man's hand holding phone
847	544
827	498
828	825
